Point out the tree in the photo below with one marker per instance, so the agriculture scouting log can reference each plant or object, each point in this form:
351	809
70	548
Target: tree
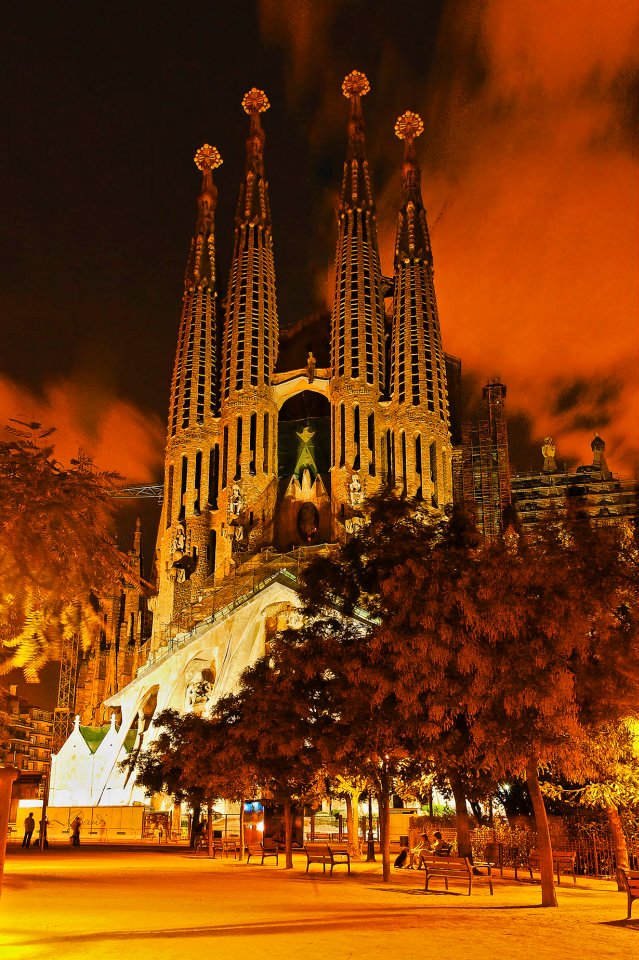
500	652
57	551
193	758
267	724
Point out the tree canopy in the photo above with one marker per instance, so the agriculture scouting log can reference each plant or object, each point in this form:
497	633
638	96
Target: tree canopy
58	554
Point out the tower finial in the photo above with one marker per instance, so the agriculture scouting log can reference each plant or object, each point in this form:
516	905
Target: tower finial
255	101
409	126
207	158
355	85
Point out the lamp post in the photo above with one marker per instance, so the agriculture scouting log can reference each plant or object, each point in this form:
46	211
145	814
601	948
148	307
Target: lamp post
370	852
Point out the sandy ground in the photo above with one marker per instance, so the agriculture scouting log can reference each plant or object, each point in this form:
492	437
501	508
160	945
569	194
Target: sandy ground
161	904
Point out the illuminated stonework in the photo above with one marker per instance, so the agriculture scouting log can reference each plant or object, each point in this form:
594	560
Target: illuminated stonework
207	158
356	84
255	101
409	126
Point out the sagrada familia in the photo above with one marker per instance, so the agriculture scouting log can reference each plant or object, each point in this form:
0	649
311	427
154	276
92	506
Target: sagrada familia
266	467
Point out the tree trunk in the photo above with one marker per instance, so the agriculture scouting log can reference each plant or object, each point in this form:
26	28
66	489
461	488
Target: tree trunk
464	846
618	842
195	825
352	824
288	834
383	801
548	892
241	827
209	828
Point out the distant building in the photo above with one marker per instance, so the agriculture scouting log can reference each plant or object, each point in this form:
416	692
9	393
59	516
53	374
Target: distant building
25	743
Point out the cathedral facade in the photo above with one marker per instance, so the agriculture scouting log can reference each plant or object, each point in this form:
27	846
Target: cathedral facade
264	465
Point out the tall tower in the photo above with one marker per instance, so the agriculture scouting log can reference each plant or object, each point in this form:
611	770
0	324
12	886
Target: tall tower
357	328
185	557
248	473
418	436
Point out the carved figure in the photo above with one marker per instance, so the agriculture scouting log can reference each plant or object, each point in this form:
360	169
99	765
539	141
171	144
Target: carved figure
355	492
310	366
548	451
236	502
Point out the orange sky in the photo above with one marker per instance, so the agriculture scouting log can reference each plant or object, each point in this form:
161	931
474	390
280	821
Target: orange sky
530	177
531	180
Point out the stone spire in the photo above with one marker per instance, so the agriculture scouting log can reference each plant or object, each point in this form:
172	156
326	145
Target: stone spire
251	336
412	241
194	392
357	324
419	398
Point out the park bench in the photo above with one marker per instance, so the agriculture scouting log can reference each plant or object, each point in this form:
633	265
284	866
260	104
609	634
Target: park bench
455	868
631	883
563	861
225	846
326	853
266	848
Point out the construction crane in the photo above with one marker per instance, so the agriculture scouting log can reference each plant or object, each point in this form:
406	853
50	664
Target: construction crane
154	490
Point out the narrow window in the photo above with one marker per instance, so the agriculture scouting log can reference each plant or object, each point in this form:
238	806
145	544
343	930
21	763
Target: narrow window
433	472
266	441
356	439
197	481
371	444
252	443
214	475
169	498
225	458
238	450
404	469
342	437
185	472
389	458
418	466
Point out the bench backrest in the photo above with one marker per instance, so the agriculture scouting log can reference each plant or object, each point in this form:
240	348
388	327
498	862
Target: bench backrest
318	849
448	864
556	855
630	879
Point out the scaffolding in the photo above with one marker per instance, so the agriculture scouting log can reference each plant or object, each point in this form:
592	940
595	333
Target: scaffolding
63	714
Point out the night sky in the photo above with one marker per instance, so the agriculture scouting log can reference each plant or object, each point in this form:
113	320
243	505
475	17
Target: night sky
529	170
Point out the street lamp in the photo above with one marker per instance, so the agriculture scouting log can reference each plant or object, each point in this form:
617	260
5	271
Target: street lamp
370	852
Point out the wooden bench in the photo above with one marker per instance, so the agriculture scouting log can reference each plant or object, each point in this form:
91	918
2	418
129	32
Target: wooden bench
267	848
225	846
631	883
562	860
326	853
455	868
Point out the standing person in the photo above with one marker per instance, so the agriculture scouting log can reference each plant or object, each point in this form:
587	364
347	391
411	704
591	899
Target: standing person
29	827
43	840
76	823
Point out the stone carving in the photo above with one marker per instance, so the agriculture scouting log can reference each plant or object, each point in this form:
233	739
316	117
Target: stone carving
236	501
355	492
548	451
310	366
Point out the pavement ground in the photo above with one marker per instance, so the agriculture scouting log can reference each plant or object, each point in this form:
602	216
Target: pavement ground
107	903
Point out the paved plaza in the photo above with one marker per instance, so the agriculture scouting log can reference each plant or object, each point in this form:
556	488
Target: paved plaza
104	903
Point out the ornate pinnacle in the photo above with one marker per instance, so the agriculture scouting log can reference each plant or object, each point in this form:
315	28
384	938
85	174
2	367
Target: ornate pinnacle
409	126
355	84
255	101
207	158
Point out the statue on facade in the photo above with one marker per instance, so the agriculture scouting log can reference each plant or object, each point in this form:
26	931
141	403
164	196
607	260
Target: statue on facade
355	492
236	501
310	366
548	451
